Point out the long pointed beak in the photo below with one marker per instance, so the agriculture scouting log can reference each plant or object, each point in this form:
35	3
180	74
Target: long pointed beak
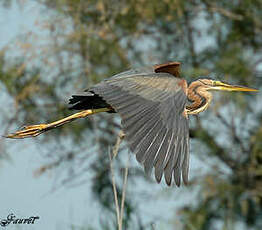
225	87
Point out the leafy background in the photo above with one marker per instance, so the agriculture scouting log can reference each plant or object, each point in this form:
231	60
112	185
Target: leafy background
74	44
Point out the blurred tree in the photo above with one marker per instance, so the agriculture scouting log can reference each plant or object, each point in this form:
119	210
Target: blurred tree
91	40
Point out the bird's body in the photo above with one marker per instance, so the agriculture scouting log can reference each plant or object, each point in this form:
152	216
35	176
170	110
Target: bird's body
154	104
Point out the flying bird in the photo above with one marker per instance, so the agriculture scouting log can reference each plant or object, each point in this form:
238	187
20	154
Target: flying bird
154	104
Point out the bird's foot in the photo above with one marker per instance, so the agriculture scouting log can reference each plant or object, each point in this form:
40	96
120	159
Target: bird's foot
29	131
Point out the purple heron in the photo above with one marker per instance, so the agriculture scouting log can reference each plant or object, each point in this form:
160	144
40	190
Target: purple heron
154	104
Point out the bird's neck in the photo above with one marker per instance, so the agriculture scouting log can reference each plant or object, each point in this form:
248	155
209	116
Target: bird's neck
198	97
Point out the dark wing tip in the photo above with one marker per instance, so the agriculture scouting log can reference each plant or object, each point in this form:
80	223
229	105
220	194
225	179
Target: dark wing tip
158	175
168	179
177	179
185	181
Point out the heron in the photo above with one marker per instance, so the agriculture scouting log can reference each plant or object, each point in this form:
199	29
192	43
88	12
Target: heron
154	103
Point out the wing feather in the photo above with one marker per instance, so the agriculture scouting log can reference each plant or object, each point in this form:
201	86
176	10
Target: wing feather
185	164
146	142
152	152
159	169
168	171
144	137
151	106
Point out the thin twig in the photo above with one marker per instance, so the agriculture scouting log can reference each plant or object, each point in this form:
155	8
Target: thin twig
114	189
120	213
118	142
124	190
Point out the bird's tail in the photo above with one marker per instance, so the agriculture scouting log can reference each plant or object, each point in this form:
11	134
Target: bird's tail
35	130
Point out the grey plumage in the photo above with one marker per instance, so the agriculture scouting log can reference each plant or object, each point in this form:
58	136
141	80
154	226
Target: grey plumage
151	106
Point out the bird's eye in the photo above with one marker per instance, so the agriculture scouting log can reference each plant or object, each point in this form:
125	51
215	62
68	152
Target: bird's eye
215	83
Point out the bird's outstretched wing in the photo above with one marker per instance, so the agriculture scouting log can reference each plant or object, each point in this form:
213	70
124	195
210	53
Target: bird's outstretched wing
156	128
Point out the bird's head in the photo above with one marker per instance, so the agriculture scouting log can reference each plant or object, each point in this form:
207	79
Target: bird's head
218	85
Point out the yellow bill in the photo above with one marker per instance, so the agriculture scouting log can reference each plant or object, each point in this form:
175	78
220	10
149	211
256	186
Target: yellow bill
218	85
